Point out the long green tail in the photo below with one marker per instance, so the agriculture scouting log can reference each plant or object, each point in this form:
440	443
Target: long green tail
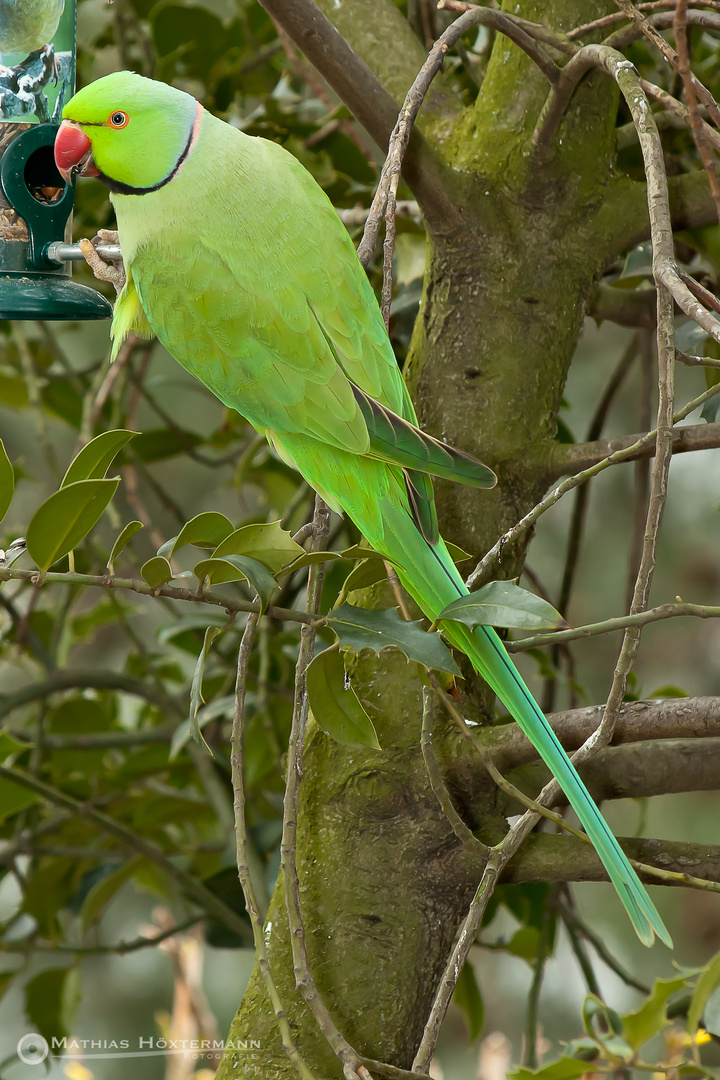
432	579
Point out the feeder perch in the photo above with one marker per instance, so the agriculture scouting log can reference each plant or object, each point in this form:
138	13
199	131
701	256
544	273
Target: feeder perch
35	203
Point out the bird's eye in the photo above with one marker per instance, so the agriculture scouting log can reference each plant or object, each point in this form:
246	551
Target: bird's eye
118	119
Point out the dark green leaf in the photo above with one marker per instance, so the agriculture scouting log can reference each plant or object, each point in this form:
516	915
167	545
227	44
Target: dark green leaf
269	544
63	520
45	1003
9	745
310	558
469	1000
196	698
7	481
156	571
204	530
225	885
14	798
361	629
234	568
335	705
163	443
122	541
503	603
103	891
95	459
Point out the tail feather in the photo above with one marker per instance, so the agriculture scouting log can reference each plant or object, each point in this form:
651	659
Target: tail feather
434	582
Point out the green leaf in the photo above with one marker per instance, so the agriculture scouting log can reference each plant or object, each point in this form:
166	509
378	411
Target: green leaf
156	571
95	459
610	1022
7	481
524	943
651	1017
335	705
366	573
104	890
711	1013
469	1000
269	544
204	530
10	746
563	1069
502	603
234	568
359	551
63	520
163	443
196	698
309	558
639	262
702	1071
122	541
14	798
361	629
707	981
13	391
456	553
45	1003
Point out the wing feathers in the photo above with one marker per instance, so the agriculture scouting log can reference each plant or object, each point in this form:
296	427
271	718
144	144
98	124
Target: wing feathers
401	443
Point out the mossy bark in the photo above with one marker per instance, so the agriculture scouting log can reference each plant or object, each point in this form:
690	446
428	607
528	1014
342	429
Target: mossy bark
384	880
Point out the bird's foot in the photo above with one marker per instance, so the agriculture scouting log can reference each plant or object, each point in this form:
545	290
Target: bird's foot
104	271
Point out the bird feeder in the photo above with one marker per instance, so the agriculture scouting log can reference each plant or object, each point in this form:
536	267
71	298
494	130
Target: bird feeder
37	77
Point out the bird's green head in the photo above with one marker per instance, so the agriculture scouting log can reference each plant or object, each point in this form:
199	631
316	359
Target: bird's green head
132	133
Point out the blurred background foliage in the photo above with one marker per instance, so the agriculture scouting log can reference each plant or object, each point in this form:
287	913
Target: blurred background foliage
73	896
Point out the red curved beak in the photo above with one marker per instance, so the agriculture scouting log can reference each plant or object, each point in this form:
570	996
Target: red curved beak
73	152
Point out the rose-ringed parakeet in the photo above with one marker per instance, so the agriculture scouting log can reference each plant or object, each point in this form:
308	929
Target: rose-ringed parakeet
237	261
27	26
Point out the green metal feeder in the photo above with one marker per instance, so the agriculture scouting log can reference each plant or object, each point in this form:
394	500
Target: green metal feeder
35	203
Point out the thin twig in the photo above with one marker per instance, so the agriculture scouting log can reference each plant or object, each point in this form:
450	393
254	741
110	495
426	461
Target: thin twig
544	947
352	1065
641	470
387	186
679	111
572	919
619	16
609	626
696	122
173	592
242	851
484	568
595	429
649	29
202	896
122	948
461	830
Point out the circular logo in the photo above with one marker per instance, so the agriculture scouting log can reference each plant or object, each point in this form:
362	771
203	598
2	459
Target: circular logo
32	1049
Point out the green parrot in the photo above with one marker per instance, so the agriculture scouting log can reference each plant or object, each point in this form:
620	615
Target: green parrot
238	262
27	26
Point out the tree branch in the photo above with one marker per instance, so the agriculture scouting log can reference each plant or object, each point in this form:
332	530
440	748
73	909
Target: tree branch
368	100
560	857
575	457
633	770
639	721
77	679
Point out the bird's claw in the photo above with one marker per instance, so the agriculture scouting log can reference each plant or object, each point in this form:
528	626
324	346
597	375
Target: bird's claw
104	271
